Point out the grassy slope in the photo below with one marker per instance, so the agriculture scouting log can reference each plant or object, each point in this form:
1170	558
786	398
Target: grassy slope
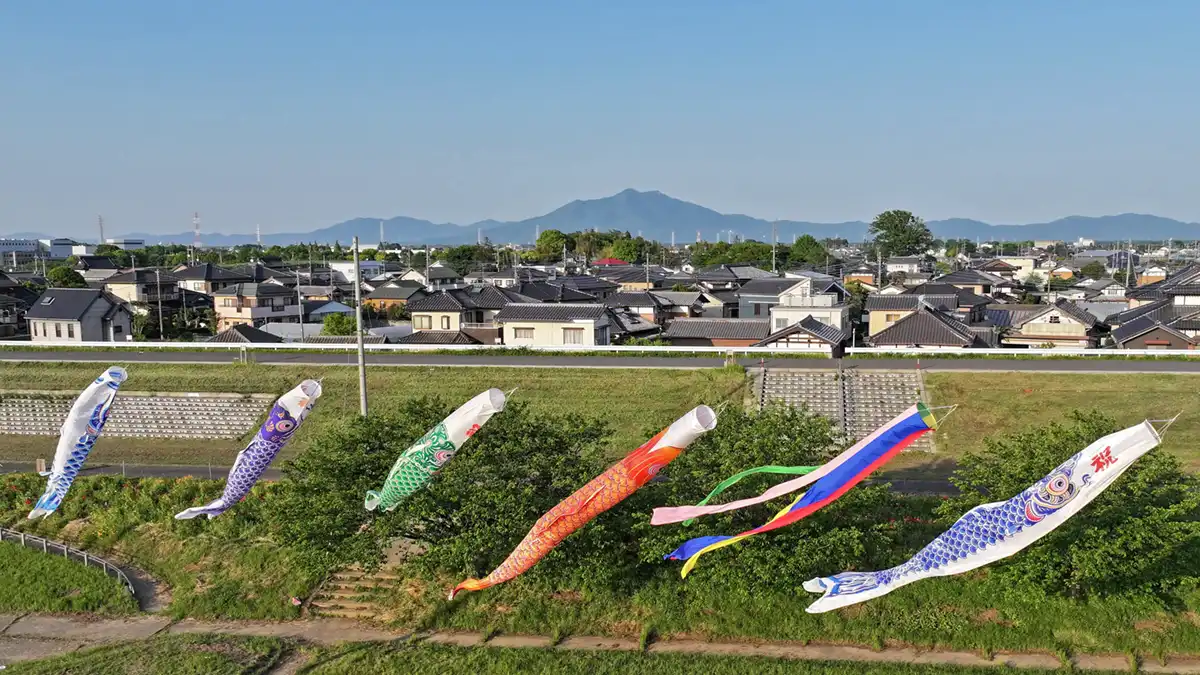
431	659
633	400
994	403
33	581
166	655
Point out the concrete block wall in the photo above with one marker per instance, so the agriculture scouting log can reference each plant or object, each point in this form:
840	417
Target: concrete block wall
140	414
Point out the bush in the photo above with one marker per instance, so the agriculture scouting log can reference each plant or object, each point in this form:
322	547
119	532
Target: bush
1142	533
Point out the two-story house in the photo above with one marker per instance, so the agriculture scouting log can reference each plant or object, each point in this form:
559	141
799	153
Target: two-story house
95	267
207	278
144	286
471	310
786	301
255	304
1063	324
395	293
438	277
645	304
79	315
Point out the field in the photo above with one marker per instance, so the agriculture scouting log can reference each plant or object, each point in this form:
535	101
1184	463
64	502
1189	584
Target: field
995	403
633	401
169	655
36	582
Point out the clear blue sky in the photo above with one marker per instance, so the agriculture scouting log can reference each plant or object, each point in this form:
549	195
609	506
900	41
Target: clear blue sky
297	114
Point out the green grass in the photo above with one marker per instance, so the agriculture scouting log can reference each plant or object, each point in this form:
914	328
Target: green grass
633	401
166	655
968	612
227	568
995	403
438	660
39	582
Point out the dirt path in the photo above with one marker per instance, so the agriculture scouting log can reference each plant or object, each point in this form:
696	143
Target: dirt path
36	636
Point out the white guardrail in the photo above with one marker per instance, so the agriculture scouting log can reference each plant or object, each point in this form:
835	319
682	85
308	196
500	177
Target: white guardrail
616	349
51	547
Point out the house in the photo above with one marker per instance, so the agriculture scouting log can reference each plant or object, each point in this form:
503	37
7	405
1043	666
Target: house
547	291
978	282
436	278
437	337
997	267
807	334
95	267
79	315
12	316
206	277
643	303
255	304
893	289
143	286
884	311
757	297
1152	274
863	274
1149	333
634	277
969	306
508	277
14	289
345	270
1063	324
685	304
395	293
315	311
627	325
1063	272
1106	287
244	333
909	264
259	273
593	286
822	299
929	327
472	309
707	332
1026	266
555	323
719	277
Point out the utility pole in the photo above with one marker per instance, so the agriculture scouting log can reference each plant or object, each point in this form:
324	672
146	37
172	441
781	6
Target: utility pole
362	358
300	303
774	245
162	335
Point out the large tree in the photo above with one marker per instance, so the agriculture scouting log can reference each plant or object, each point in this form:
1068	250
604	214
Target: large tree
64	277
900	233
1094	270
808	250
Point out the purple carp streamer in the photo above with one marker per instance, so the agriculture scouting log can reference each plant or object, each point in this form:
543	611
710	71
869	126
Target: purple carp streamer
286	416
79	433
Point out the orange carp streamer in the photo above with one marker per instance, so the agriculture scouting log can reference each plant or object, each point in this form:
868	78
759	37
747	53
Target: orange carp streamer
600	494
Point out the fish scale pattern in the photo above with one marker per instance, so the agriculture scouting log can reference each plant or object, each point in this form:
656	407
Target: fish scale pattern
59	483
609	488
974	532
416	466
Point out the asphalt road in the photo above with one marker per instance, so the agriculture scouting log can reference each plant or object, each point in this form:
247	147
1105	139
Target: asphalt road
537	361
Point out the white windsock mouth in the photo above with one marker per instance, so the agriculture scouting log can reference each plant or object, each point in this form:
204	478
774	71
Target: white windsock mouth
116	374
494	399
311	388
688	428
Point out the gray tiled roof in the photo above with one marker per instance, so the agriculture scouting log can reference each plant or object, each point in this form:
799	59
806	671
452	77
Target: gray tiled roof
556	312
548	291
719	329
970	276
69	304
483	296
244	333
1012	315
925	327
1075	312
396	290
1145	324
633	299
255	290
625	274
95	262
966	297
344	339
142	276
766	287
808	326
208	272
437	337
441	272
906	302
585	283
679	298
632	324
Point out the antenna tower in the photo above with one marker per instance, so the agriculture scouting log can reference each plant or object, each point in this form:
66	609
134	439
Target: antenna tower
381	234
258	235
100	221
196	231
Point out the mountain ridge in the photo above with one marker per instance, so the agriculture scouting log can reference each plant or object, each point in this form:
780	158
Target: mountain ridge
658	216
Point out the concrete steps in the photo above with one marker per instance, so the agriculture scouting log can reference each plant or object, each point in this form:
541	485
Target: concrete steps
354	594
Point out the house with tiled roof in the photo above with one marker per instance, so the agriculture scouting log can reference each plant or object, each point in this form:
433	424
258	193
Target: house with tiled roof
883	311
584	283
1062	324
643	303
255	304
207	277
1147	332
706	332
79	315
807	334
472	309
438	277
548	291
930	327
634	277
244	333
397	292
556	324
978	282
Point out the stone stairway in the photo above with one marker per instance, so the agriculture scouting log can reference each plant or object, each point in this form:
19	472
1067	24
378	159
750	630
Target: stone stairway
353	593
858	402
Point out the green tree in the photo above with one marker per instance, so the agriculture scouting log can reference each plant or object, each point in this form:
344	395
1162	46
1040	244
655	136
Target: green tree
1142	533
900	233
338	324
550	245
64	277
1094	270
808	250
629	250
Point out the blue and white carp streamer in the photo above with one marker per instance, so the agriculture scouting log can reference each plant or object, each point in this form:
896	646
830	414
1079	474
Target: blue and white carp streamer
990	532
79	433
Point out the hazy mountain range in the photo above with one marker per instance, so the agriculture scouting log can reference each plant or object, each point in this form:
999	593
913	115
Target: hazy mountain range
656	216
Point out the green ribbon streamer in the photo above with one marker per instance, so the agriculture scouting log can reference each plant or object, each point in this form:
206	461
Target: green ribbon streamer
721	487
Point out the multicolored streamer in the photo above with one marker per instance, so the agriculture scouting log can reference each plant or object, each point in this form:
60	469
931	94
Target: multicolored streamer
837	477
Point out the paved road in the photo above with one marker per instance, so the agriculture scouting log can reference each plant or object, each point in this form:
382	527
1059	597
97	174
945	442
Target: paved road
538	361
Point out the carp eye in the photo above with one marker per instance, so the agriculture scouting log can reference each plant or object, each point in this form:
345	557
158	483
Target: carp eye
285	425
1058	485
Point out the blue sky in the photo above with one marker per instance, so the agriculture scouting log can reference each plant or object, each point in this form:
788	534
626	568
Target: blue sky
297	114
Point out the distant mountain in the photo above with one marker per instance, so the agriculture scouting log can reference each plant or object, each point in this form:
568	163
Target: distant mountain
657	216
